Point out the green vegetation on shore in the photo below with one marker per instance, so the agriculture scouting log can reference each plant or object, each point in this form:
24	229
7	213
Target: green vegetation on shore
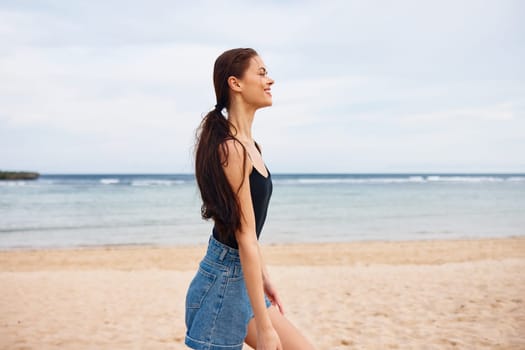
18	175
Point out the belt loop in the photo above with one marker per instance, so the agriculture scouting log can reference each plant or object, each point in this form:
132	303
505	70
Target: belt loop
223	254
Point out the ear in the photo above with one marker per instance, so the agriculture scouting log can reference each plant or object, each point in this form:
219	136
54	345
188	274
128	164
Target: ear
234	84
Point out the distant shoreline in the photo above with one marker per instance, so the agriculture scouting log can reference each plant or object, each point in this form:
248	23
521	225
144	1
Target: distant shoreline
18	175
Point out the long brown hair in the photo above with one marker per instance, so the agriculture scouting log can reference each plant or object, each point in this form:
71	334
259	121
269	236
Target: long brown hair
219	202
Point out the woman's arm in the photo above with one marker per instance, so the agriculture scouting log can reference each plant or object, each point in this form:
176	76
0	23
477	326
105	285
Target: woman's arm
248	245
269	289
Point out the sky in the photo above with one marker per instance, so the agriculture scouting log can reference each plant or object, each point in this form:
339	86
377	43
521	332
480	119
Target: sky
360	86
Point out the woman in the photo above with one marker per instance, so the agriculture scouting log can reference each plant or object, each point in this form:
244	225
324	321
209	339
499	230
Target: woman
231	299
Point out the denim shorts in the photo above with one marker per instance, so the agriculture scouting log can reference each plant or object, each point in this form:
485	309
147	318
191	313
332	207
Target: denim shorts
217	305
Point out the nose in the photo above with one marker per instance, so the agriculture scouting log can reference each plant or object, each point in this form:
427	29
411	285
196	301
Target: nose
270	81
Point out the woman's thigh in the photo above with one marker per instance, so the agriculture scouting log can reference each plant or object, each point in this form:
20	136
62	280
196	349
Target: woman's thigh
291	338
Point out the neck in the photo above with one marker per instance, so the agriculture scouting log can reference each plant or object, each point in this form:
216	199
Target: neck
241	116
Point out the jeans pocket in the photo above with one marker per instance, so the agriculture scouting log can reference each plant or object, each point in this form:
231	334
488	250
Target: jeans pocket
199	287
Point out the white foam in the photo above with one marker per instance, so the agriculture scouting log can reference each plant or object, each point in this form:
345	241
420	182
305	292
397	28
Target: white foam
319	181
393	180
314	181
109	181
416	179
516	178
152	182
11	183
465	178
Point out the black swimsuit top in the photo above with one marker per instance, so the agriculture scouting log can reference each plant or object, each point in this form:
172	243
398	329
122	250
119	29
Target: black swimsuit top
261	190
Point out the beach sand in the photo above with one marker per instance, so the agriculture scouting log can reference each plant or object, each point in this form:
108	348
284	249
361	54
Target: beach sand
457	294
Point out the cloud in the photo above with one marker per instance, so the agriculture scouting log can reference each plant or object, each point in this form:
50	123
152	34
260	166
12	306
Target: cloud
358	84
500	112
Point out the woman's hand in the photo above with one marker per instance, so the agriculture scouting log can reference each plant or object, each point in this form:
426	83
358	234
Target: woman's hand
268	339
271	293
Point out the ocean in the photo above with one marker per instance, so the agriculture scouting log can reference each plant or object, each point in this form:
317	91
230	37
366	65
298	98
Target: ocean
59	211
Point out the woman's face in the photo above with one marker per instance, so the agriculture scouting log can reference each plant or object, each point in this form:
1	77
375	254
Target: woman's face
256	84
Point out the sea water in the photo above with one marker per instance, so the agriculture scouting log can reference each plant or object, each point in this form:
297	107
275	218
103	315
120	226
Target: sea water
107	209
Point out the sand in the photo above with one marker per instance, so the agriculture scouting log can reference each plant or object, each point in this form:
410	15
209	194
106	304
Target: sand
457	294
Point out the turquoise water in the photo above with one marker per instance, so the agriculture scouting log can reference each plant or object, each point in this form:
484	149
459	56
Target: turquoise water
80	210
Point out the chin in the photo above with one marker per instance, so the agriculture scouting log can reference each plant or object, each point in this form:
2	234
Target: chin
264	105
266	102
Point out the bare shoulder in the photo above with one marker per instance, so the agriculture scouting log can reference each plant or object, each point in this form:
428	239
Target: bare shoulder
233	158
231	152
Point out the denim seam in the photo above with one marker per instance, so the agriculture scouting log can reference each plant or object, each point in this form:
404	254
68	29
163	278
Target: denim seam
212	279
212	263
209	344
219	308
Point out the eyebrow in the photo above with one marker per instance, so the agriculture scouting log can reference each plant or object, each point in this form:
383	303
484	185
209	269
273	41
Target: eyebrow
263	69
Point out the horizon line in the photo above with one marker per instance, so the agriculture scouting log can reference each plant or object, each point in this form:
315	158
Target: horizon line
307	173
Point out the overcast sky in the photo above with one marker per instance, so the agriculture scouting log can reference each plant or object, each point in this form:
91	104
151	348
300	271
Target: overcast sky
361	86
